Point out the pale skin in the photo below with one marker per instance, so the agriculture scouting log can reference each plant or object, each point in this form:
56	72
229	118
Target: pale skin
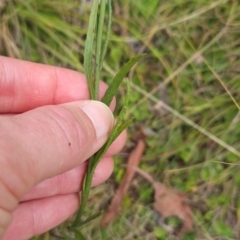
48	130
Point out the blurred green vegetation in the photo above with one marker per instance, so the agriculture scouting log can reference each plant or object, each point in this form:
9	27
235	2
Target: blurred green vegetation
192	65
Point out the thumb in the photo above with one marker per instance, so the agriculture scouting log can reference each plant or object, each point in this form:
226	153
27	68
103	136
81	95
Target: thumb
50	140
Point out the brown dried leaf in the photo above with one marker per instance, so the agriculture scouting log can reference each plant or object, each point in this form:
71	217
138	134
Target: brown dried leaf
170	202
133	161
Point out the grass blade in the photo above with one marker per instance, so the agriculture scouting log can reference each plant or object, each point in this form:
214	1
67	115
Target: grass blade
100	22
117	129
123	111
66	236
89	47
78	235
116	132
121	127
94	160
107	33
92	217
111	91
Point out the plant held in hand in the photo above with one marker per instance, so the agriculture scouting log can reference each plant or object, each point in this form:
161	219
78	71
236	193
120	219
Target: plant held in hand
93	62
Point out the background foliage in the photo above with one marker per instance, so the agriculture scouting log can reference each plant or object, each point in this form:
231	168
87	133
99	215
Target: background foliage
192	65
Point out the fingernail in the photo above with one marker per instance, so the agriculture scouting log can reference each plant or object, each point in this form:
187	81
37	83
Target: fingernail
100	115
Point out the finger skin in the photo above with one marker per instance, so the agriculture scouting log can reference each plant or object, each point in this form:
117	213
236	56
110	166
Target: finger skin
117	145
63	139
70	181
26	85
38	216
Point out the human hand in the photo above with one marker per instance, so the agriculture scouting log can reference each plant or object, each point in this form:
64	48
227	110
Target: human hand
48	129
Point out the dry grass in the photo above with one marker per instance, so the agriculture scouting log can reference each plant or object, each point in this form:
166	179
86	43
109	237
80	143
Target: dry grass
185	96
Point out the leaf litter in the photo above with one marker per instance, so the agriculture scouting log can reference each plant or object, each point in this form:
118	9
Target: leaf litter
168	202
133	161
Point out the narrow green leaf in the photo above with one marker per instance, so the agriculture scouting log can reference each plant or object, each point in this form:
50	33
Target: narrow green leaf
126	102
89	47
117	129
107	33
123	126
116	132
112	89
96	29
100	22
120	128
78	235
125	106
91	218
67	237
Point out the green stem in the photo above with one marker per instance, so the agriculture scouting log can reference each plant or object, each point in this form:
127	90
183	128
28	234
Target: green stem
95	34
87	182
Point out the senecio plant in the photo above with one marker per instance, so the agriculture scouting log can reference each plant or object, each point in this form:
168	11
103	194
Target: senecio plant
94	53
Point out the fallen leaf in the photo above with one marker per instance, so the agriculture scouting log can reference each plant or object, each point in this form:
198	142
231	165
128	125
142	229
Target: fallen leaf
133	161
170	202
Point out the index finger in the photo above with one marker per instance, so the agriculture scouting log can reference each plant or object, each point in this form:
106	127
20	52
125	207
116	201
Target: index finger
27	85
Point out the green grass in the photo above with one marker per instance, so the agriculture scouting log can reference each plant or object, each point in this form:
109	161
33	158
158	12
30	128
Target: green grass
192	65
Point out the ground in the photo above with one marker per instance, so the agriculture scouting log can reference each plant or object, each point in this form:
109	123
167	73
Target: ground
185	97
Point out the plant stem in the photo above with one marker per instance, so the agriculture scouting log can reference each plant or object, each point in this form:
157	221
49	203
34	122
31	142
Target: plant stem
97	19
85	193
